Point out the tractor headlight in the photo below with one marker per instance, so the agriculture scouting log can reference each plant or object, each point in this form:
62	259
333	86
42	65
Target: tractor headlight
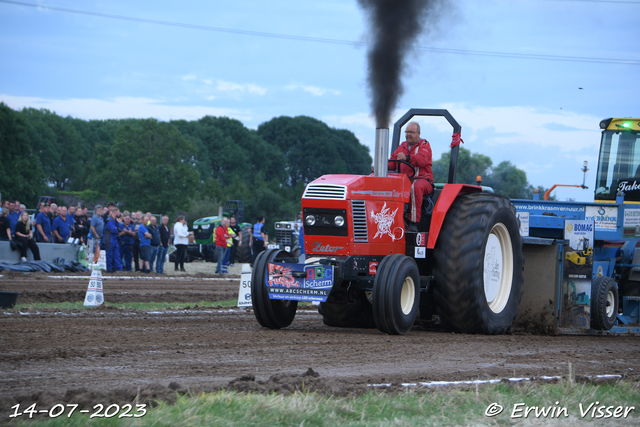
205	227
310	220
338	221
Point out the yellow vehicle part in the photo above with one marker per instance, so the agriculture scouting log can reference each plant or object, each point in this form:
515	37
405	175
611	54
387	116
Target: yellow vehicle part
575	258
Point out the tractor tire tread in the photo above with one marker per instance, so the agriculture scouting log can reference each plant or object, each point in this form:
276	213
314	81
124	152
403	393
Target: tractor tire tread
459	255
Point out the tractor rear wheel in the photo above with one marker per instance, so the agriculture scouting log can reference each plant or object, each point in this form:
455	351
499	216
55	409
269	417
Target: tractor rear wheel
479	261
357	314
244	251
270	313
396	294
604	303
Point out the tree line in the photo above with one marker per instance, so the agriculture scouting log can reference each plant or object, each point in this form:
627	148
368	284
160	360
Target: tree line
194	166
176	166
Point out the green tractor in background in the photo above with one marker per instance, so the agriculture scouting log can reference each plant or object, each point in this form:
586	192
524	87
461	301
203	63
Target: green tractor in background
204	233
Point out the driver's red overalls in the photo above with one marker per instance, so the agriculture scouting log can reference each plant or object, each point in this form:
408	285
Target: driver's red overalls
421	183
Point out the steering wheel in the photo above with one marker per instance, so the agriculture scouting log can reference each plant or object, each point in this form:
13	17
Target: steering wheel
413	171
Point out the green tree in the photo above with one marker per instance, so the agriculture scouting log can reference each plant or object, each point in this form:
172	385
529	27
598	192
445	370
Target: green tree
150	166
21	175
470	165
92	133
229	151
508	180
311	148
59	146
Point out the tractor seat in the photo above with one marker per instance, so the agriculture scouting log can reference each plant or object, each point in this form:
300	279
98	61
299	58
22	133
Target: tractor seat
428	204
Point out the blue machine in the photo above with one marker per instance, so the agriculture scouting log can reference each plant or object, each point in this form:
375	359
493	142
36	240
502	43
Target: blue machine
594	286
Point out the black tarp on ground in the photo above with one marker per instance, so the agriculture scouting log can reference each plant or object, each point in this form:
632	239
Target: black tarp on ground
58	265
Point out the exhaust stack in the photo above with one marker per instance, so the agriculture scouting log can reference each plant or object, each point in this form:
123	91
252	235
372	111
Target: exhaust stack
380	161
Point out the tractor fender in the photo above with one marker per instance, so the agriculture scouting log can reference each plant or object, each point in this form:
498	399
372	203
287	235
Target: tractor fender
448	195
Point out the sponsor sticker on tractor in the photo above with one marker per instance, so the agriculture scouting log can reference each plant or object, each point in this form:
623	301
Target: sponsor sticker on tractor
604	217
309	283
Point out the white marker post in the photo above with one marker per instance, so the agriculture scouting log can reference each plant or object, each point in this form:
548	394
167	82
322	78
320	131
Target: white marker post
95	296
244	294
102	261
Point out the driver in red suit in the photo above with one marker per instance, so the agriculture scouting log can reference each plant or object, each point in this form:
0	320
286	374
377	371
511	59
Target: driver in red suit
417	152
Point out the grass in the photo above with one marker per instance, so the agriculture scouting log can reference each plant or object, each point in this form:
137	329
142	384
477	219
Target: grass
439	407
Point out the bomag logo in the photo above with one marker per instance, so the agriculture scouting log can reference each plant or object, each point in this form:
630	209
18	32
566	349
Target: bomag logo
583	227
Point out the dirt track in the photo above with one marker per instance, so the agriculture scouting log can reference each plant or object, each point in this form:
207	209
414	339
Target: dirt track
109	354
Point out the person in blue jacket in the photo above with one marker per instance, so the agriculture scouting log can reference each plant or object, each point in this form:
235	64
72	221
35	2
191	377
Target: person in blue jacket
110	241
43	225
126	242
60	227
71	219
145	245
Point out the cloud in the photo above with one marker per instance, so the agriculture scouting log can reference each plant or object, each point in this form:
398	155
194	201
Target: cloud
360	119
211	89
224	86
527	127
560	127
313	90
121	108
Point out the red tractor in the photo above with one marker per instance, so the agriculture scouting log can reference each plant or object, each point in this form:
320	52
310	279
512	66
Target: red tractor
366	270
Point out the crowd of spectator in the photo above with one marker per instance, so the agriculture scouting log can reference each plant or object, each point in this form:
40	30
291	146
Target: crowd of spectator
228	238
132	241
17	228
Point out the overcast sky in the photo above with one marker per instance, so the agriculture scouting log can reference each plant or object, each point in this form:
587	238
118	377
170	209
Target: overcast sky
528	80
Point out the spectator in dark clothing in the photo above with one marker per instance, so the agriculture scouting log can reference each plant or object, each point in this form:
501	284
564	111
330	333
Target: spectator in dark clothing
24	236
110	241
260	239
81	225
53	212
5	225
14	214
155	240
145	245
71	220
136	240
237	240
126	242
165	236
107	211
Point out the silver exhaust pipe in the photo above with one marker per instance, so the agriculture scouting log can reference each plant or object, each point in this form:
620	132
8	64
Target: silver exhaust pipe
381	158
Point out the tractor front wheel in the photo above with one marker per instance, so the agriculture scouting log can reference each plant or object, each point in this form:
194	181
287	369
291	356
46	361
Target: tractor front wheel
396	294
479	263
604	303
357	314
272	314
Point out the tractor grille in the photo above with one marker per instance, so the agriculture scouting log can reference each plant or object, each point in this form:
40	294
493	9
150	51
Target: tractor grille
284	237
360	231
325	191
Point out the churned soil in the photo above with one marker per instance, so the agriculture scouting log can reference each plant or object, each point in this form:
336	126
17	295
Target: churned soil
111	355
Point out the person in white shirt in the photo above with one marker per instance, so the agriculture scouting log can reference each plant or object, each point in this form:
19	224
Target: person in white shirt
180	240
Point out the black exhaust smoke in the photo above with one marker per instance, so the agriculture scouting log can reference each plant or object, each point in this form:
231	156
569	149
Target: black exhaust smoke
395	24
